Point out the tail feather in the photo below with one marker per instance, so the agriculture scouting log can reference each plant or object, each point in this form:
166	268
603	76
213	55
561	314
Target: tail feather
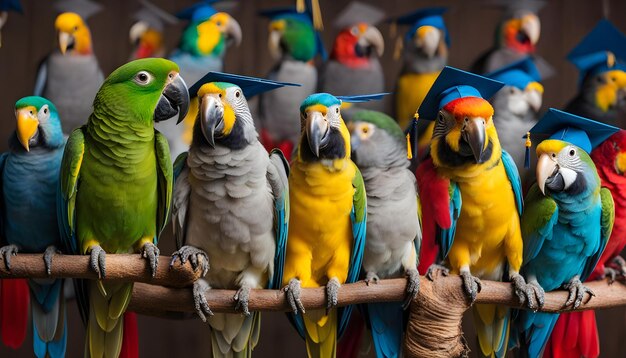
492	328
234	335
387	327
575	335
321	333
130	342
49	319
14	298
536	328
350	344
105	330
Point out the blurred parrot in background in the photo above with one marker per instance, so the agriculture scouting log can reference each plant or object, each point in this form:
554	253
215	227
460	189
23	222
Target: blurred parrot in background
516	106
71	76
566	223
226	173
294	43
5	7
327	223
600	59
575	333
391	251
146	33
354	66
115	187
472	198
29	178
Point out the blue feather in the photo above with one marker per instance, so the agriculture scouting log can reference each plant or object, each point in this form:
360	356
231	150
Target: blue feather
386	321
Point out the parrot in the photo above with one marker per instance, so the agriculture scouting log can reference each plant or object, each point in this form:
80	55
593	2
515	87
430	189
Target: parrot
202	48
226	172
294	43
29	175
146	34
115	187
71	75
327	222
354	66
516	105
5	7
566	223
575	333
379	151
472	199
600	59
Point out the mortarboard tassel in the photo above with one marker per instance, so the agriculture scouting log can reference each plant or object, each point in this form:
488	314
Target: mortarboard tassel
527	153
300	7
397	51
411	138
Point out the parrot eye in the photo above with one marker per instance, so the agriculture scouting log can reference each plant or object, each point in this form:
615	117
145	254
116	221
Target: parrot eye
75	28
31	112
572	152
143	78
354	31
237	94
45	110
337	110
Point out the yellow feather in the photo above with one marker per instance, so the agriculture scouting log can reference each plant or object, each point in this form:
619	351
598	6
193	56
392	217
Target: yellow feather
411	90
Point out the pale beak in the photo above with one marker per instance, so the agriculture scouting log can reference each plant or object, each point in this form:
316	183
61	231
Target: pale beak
546	168
475	135
27	125
316	128
531	26
4	15
427	38
136	31
65	40
211	117
233	31
276	33
534	99
373	37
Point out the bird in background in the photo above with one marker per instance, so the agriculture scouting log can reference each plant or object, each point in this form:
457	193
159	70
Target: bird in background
146	33
70	76
226	172
117	168
354	66
472	200
29	173
7	6
566	224
600	57
294	43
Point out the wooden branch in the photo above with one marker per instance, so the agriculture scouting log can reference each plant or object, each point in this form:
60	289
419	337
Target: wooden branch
119	267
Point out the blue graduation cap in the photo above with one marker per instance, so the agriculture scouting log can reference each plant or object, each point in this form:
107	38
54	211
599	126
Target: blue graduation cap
603	49
431	16
517	74
362	98
452	84
198	12
251	86
11	5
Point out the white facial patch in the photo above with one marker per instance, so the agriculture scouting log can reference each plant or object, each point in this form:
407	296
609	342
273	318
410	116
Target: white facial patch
569	176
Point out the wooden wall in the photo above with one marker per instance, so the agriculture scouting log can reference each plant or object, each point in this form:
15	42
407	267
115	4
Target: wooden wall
28	38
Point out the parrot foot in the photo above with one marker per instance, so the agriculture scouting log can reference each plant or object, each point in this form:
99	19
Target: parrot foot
97	260
150	252
47	257
6	252
371	277
611	274
536	296
620	265
332	288
293	290
435	270
242	297
412	287
577	292
199	299
197	258
471	284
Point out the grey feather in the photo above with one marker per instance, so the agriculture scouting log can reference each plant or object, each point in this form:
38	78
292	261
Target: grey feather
180	203
342	80
584	104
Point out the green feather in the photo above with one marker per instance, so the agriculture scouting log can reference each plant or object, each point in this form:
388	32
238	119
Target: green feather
380	120
299	40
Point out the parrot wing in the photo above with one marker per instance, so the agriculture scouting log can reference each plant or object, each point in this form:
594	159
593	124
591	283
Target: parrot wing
277	176
516	182
538	220
3	158
180	204
606	226
165	180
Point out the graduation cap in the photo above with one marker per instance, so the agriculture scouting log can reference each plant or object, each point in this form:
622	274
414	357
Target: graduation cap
518	74
431	16
357	12
362	98
11	5
513	8
251	86
84	8
200	11
153	16
603	49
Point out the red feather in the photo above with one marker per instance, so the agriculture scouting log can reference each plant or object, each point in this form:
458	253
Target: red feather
285	146
350	343
130	344
14	299
344	49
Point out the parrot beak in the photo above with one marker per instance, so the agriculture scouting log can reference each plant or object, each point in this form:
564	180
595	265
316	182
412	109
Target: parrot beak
534	97
547	170
233	31
276	33
316	131
174	100
531	26
474	133
211	117
620	163
136	31
27	125
66	41
4	15
427	38
372	37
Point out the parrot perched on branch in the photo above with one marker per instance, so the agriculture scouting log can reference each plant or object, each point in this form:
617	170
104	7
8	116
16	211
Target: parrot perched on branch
379	151
354	66
566	223
294	43
472	199
327	224
71	76
5	7
115	187
146	33
225	174
29	178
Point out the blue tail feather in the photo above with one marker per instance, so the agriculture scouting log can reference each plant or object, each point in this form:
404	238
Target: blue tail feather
386	322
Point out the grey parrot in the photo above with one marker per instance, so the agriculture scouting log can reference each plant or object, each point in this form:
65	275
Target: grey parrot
230	207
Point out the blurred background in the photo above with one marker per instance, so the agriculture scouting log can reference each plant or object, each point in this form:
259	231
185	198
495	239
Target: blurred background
28	38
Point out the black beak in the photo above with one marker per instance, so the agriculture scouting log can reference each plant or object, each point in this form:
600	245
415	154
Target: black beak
474	134
174	100
211	118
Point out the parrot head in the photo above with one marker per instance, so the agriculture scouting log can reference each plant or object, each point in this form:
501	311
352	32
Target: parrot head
611	154
607	90
211	35
564	168
292	36
376	140
354	46
324	133
38	123
74	35
520	32
521	101
147	41
428	41
146	90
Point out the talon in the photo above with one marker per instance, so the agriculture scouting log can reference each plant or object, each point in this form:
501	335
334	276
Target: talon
199	299
6	252
610	274
47	258
242	298
536	296
412	287
471	284
436	269
371	278
97	259
521	290
332	288
577	292
293	290
197	258
150	252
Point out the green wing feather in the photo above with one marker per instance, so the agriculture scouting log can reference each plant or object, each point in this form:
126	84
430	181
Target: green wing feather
165	175
68	181
538	220
606	227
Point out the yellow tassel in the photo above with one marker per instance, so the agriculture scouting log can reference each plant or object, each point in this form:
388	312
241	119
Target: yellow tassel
528	142
409	151
318	24
300	7
397	52
610	59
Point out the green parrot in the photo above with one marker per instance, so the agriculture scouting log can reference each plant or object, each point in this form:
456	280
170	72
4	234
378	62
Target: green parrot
116	187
